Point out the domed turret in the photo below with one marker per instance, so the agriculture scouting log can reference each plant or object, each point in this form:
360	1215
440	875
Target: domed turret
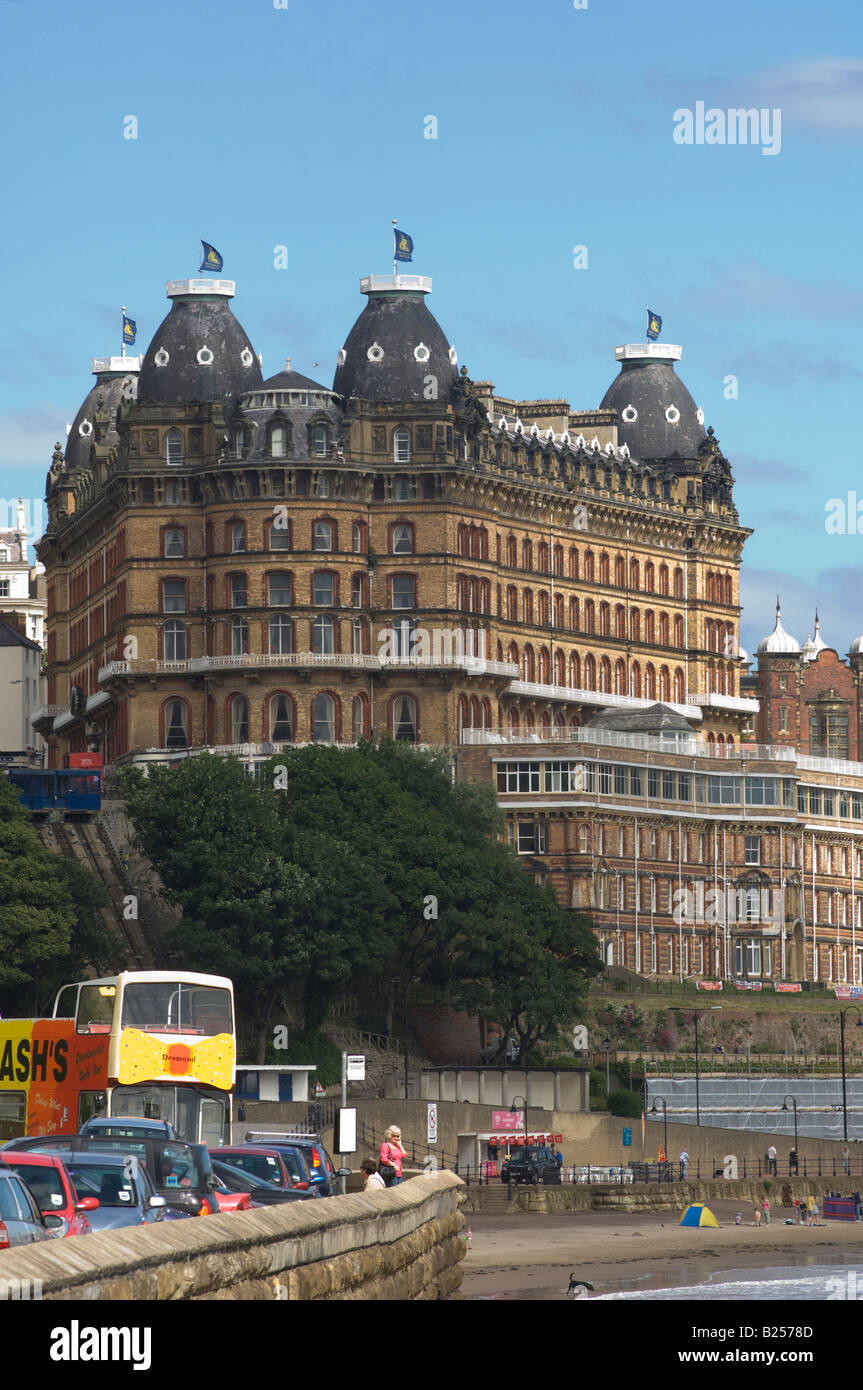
291	416
199	353
779	642
396	346
657	415
116	383
814	645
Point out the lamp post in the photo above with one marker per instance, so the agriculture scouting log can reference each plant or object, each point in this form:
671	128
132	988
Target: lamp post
852	1008
793	1100
607	1046
714	1008
654	1111
523	1100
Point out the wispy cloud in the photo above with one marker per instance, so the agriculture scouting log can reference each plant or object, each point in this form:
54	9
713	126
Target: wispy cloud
732	290
823	95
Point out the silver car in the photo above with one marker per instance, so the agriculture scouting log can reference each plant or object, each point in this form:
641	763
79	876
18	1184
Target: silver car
21	1221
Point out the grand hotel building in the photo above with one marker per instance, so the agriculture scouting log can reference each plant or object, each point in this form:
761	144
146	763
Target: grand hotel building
236	563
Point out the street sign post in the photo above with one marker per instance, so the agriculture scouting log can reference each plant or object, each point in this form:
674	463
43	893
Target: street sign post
431	1124
356	1068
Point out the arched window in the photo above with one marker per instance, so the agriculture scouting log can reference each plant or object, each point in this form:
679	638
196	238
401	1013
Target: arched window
708	587
175	641
239	637
176	724
358	536
649	577
324	719
635	625
527	605
403	540
529	664
619	571
280	533
543	557
544	611
511	552
588	566
323	636
605	675
678	582
359	637
278	442
620	621
175	546
590	672
281	721
238	536
634	579
589	615
649	626
281	635
281	591
664	684
663	579
573	562
558	559
584	839
358	591
603	569
322	536
559	668
620	678
573	615
544	666
239	719
512	603
635	680
402	445
545	725
527	555
513	721
649	682
405	719
663	629
558	610
358	718
464	712
574	671
678	631
173	448
678	686
605	619
529	723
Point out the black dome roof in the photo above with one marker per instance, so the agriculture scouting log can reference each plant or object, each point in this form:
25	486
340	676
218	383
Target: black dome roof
395	345
657	415
116	382
199	352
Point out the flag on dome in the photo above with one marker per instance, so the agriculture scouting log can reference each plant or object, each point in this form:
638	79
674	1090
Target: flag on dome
211	259
404	246
654	326
130	331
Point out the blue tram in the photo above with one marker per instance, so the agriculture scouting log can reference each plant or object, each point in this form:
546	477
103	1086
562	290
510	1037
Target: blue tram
57	789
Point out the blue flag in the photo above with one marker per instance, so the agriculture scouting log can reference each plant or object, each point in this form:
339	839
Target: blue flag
654	326
130	331
211	259
404	246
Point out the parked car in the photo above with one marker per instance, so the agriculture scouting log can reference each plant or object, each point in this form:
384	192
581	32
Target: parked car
536	1163
21	1221
321	1169
261	1194
124	1195
284	1166
48	1180
181	1173
116	1127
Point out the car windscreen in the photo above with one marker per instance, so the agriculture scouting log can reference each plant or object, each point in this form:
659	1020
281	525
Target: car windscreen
266	1167
113	1183
43	1181
170	1164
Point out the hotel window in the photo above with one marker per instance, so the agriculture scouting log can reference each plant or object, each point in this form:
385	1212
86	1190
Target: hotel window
405	719
532	837
403	488
239	637
402	446
239	719
278	442
238	591
280	535
323	536
684	847
358	717
620	781
323	590
281	719
280	590
668	786
175	725
783	719
174	546
174	448
684	786
357	536
636	781
324	719
652	782
281	636
403	634
238	536
588	778
404	591
605	779
670	847
320	443
621	844
753	849
323	636
175	641
174	596
403	540
524	777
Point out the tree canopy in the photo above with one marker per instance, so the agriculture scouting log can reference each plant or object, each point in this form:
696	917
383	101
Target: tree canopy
338	864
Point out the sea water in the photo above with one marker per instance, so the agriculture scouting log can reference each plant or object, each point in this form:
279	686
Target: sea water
778	1283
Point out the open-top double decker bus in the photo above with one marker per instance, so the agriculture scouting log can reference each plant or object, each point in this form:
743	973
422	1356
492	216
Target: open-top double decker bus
157	1044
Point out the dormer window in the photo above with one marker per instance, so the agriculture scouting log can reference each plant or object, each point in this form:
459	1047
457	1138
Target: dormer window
279	442
174	448
238	443
320	441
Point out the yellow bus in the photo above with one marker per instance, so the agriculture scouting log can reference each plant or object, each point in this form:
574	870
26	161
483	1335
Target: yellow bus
156	1044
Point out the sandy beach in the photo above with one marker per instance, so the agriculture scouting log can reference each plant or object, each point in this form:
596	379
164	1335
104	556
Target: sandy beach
531	1255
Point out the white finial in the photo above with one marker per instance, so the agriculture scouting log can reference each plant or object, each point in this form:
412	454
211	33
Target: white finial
287	364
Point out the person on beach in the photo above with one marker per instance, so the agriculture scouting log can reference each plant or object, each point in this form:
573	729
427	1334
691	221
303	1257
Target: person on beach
373	1177
756	1217
392	1153
771	1160
796	1211
810	1208
684	1163
793	1164
765	1209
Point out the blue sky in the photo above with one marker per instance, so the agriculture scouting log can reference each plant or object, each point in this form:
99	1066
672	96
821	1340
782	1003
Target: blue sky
260	127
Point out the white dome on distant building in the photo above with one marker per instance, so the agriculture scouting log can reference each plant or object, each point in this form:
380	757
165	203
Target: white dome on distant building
813	646
856	647
779	642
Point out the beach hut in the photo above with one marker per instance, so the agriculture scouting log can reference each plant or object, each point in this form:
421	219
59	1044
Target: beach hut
697	1214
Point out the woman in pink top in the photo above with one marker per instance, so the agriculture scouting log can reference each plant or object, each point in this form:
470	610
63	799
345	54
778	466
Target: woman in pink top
392	1152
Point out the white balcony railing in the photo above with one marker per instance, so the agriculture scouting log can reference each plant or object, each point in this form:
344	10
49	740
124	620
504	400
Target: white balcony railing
470	665
563	693
740	704
46	712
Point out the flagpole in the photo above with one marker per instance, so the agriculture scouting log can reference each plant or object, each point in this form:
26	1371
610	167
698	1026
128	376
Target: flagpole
395	262
123	332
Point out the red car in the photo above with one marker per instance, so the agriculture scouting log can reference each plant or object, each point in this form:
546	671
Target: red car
47	1179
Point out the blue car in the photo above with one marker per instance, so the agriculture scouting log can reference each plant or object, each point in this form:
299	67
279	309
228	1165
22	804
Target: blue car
116	1127
126	1195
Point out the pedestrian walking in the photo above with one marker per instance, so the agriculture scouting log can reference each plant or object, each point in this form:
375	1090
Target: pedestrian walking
392	1154
373	1177
771	1160
558	1158
765	1209
684	1163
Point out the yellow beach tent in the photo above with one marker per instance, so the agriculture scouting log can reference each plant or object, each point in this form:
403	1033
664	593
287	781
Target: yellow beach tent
697	1214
